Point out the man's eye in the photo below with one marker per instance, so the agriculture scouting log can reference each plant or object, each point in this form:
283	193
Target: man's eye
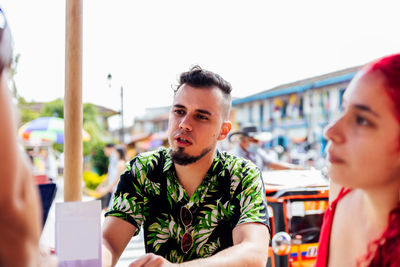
202	117
179	112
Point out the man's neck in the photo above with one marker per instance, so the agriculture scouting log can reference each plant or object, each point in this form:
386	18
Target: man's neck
190	176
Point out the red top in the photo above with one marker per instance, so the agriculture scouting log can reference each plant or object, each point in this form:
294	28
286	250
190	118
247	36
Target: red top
323	247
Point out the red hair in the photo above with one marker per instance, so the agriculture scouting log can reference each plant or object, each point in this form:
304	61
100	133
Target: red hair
387	248
390	68
385	251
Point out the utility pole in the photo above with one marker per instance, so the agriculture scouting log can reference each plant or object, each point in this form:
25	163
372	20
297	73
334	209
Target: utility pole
121	113
73	113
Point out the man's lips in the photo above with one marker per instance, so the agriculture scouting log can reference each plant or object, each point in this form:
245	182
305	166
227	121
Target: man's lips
183	140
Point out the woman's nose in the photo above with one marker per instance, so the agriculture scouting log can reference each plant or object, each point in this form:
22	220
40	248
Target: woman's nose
333	132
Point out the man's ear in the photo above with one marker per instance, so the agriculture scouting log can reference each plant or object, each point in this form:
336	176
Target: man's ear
225	129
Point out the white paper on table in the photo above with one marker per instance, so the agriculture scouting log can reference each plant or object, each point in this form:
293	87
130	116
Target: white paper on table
78	230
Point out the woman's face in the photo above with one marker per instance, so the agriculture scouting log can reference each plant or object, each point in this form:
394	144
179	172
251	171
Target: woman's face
363	148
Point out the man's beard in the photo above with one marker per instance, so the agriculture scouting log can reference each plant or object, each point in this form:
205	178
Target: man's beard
181	158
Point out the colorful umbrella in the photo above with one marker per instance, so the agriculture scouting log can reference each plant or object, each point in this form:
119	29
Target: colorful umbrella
48	129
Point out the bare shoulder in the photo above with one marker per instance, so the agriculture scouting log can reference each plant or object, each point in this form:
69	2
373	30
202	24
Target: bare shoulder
347	232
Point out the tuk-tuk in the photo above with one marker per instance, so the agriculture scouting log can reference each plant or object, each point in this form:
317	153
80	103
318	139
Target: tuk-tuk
297	201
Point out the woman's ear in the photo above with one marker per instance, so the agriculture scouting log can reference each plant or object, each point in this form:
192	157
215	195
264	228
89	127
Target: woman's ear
225	129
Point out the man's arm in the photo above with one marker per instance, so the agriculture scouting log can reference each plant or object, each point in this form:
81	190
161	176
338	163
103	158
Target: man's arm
116	236
250	248
283	166
100	188
277	165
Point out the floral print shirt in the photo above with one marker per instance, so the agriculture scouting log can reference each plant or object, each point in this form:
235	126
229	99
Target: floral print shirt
149	195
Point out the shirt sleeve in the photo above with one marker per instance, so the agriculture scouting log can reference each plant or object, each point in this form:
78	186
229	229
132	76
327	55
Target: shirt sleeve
253	202
128	200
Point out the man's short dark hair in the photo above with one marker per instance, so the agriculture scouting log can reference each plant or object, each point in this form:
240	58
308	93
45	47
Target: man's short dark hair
198	77
201	78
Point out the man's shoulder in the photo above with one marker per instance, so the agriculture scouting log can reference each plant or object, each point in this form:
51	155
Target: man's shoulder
148	165
144	157
241	171
234	162
154	158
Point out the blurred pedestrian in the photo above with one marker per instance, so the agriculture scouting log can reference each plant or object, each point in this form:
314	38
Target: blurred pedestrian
50	161
249	148
20	216
362	225
104	188
117	160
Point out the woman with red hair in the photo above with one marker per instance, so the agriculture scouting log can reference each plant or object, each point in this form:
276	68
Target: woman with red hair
362	225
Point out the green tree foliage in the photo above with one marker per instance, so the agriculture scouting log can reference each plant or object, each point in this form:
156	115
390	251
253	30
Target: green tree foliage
54	108
93	147
99	160
92	126
26	113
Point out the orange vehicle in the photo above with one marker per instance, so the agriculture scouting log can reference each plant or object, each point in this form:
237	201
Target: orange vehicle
297	201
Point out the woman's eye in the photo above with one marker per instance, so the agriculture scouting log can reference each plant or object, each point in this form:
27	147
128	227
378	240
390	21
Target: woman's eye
361	121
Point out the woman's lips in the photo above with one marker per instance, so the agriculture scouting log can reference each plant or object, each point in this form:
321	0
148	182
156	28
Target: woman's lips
334	159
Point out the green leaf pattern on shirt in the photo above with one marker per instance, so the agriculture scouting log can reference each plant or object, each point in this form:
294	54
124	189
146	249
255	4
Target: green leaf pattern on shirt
230	194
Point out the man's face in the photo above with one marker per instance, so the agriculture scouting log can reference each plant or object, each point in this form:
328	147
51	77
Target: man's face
196	123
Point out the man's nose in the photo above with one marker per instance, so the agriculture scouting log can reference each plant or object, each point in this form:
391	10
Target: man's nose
185	124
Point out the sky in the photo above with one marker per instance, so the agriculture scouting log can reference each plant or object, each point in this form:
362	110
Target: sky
145	45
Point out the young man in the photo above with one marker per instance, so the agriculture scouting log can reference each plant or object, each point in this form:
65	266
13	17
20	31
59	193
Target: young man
196	205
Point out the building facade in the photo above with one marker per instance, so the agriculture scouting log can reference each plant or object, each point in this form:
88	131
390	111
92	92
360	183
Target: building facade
298	111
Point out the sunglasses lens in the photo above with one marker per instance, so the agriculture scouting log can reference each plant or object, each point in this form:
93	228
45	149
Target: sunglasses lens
187	242
187	239
186	216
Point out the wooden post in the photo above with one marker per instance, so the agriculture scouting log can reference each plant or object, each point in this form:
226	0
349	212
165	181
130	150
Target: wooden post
73	111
